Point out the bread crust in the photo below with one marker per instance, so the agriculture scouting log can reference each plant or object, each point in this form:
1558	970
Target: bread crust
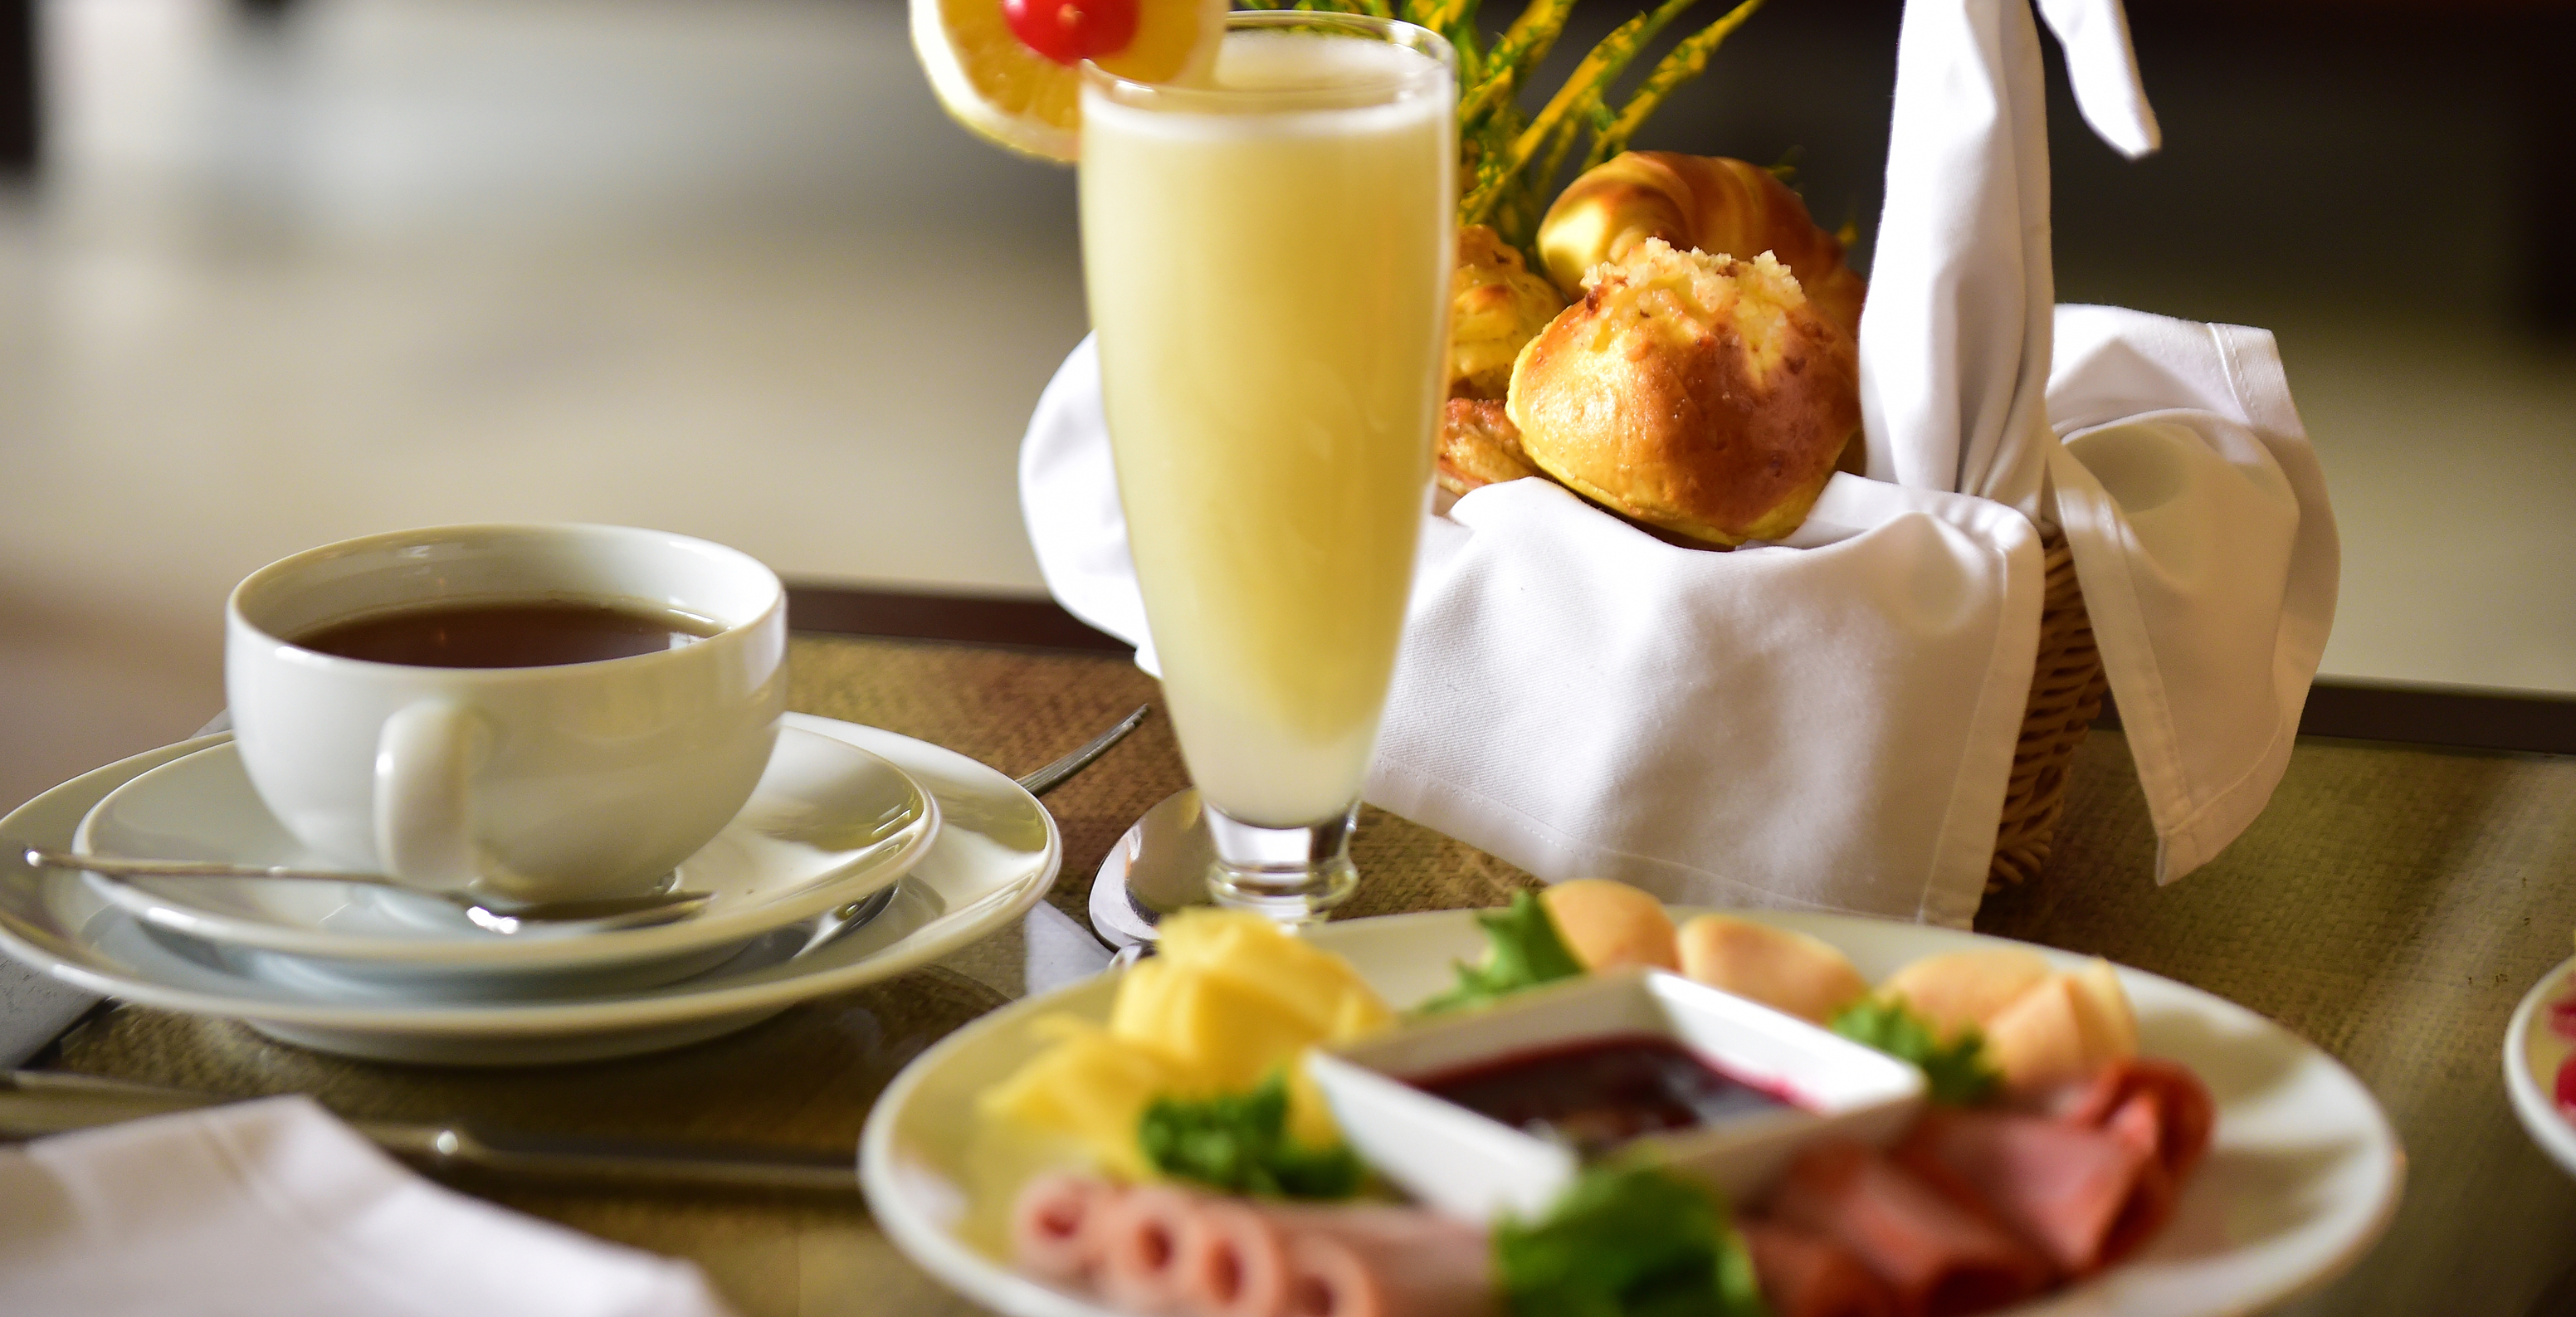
1716	205
1479	446
1698	394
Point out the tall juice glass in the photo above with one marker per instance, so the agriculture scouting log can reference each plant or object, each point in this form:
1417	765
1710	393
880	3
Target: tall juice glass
1267	258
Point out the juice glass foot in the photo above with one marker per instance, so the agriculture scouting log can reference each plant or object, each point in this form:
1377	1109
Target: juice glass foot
1295	875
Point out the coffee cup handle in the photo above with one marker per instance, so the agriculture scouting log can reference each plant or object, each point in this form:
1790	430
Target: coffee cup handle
425	760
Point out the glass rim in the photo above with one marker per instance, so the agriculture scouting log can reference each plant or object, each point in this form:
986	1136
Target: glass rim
1393	31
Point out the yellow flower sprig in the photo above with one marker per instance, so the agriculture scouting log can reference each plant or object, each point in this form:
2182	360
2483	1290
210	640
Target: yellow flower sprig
1508	161
1684	62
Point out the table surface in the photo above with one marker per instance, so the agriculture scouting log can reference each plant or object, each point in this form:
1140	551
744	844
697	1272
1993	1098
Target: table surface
2391	906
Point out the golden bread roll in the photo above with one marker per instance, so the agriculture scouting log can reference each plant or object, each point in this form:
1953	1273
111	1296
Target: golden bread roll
1962	988
1788	971
1720	206
1694	393
1479	446
1495	306
1608	924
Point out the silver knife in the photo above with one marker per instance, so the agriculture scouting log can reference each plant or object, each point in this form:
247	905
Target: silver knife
35	1103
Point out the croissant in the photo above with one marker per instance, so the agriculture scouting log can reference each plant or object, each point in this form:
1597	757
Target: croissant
1719	206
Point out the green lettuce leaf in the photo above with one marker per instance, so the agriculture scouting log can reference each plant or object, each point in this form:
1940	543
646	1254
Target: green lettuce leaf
1526	951
1238	1143
1628	1241
1955	1073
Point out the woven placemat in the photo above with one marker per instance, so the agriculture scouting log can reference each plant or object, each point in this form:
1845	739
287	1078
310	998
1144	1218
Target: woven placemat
1016	710
2391	905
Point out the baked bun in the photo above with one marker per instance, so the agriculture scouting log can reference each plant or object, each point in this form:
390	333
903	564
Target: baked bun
1707	203
1479	446
1495	306
1699	394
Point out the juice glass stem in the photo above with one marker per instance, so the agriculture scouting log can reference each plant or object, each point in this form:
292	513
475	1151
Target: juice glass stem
1294	874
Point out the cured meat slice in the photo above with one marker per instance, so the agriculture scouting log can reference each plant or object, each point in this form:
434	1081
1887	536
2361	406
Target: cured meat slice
2084	1196
1144	1235
1804	1274
1937	1258
1387	1262
2185	1114
1234	1262
1056	1225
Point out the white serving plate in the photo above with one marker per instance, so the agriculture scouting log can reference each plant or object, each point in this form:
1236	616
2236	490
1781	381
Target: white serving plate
2532	1053
1479	1169
2302	1176
829	824
996	853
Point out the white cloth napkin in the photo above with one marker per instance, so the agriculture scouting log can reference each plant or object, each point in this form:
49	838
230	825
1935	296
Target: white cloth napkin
2198	518
2185	485
275	1209
1829	723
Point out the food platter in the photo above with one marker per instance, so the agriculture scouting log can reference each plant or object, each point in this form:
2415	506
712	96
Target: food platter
2303	1176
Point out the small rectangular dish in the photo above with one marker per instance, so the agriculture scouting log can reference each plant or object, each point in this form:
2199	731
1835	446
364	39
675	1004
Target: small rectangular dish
1643	1064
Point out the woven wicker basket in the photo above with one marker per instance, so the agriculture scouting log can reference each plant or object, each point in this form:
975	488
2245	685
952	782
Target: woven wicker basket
2066	688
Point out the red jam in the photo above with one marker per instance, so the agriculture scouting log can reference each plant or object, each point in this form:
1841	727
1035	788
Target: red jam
1600	1092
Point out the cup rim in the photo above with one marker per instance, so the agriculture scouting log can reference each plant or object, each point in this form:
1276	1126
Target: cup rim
1183	98
235	614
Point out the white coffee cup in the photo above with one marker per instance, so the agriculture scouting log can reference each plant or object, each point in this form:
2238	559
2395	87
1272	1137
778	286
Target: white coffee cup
563	780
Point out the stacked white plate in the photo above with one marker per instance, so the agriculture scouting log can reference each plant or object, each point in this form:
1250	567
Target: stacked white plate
843	813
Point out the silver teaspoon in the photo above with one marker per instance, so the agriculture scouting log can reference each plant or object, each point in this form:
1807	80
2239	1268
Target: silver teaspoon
833	924
496	915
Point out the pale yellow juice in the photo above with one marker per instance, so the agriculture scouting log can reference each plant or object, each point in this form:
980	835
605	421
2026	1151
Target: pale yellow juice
1270	292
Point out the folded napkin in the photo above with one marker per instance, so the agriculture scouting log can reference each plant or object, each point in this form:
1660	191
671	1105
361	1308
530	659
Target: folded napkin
1830	722
275	1209
2169	452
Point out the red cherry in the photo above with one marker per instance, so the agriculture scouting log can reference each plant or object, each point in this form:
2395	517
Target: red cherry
2562	1018
1071	31
2566	1094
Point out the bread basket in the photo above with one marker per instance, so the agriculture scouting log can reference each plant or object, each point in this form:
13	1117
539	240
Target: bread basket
2066	689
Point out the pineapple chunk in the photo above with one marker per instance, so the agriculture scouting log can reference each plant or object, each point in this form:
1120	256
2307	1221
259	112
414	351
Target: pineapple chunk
1230	999
1088	1087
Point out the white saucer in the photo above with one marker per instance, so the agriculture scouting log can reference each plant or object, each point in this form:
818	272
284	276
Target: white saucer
996	853
2532	1054
829	824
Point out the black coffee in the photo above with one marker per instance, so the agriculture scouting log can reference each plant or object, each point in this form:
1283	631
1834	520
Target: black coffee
536	633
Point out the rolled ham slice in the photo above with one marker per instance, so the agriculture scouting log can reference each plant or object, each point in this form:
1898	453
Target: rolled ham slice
1144	1234
1165	1250
1937	1258
1056	1225
1804	1274
1234	1263
2139	1094
1386	1262
2084	1196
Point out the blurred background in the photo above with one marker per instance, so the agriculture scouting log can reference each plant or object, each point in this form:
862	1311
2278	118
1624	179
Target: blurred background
273	274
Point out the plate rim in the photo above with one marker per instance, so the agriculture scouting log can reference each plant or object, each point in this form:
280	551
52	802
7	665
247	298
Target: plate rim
853	880
2531	1106
640	1008
953	1263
